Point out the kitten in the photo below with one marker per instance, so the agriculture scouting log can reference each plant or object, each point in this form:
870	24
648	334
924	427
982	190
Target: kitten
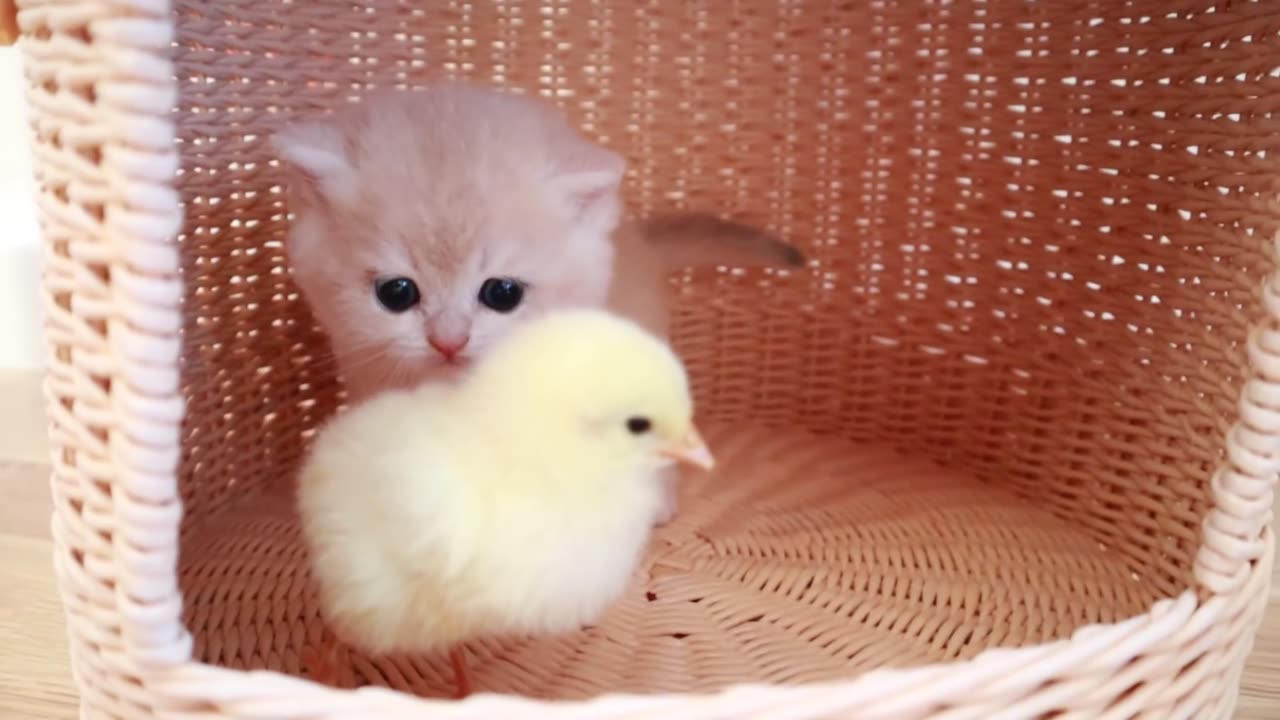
427	223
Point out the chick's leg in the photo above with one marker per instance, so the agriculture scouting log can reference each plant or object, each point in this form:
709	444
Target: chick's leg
319	661
462	682
323	663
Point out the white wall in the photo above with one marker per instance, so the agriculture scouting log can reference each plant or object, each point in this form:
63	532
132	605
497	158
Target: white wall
19	237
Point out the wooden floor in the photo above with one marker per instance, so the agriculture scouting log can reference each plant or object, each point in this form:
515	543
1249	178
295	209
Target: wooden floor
34	680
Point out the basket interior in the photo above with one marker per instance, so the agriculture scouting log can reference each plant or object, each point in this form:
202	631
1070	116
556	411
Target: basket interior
801	559
1036	233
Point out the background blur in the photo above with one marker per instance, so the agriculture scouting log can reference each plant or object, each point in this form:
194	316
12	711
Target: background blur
19	239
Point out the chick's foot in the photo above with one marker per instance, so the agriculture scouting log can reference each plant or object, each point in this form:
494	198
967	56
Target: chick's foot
461	679
322	663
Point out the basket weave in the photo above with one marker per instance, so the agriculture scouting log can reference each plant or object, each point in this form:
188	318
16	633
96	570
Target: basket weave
1005	448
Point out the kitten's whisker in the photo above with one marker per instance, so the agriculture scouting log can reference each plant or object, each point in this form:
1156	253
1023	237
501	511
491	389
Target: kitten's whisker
361	359
393	366
370	351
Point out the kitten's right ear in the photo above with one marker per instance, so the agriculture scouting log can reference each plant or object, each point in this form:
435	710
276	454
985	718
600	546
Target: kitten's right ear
590	178
315	153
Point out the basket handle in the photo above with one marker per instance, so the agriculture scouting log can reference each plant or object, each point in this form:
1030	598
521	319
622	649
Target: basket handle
1235	532
8	22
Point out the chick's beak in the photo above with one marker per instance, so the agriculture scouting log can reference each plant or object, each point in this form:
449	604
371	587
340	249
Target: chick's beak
690	449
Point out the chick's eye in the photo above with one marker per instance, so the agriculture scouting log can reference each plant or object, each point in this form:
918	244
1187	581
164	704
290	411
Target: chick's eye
501	294
396	294
638	425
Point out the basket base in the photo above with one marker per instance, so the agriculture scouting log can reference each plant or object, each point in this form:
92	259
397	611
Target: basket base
800	559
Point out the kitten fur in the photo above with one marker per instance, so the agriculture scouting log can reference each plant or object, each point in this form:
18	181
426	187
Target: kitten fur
456	183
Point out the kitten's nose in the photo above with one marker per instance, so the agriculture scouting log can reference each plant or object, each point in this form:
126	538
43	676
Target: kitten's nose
449	345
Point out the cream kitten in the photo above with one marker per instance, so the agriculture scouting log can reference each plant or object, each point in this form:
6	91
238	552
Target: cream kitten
427	223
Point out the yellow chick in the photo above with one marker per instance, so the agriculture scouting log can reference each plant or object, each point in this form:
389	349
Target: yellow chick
518	500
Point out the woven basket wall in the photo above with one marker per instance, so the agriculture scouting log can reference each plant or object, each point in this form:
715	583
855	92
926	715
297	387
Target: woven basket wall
1005	448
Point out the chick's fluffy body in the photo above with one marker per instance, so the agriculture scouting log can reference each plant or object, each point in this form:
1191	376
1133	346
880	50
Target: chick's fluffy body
438	514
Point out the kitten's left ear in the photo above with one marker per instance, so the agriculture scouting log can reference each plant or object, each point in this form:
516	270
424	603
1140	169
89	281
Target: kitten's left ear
592	179
316	153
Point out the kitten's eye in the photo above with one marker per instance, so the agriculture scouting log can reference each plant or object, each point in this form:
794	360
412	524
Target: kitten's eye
638	425
396	294
501	294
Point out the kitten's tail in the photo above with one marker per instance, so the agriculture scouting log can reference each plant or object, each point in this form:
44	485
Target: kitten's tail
698	239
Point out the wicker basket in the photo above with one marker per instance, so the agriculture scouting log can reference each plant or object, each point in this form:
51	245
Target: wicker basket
1005	449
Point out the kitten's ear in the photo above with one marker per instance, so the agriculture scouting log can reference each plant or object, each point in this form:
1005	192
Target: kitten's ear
315	153
592	179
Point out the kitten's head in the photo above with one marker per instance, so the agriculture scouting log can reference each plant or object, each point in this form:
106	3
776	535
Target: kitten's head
428	223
